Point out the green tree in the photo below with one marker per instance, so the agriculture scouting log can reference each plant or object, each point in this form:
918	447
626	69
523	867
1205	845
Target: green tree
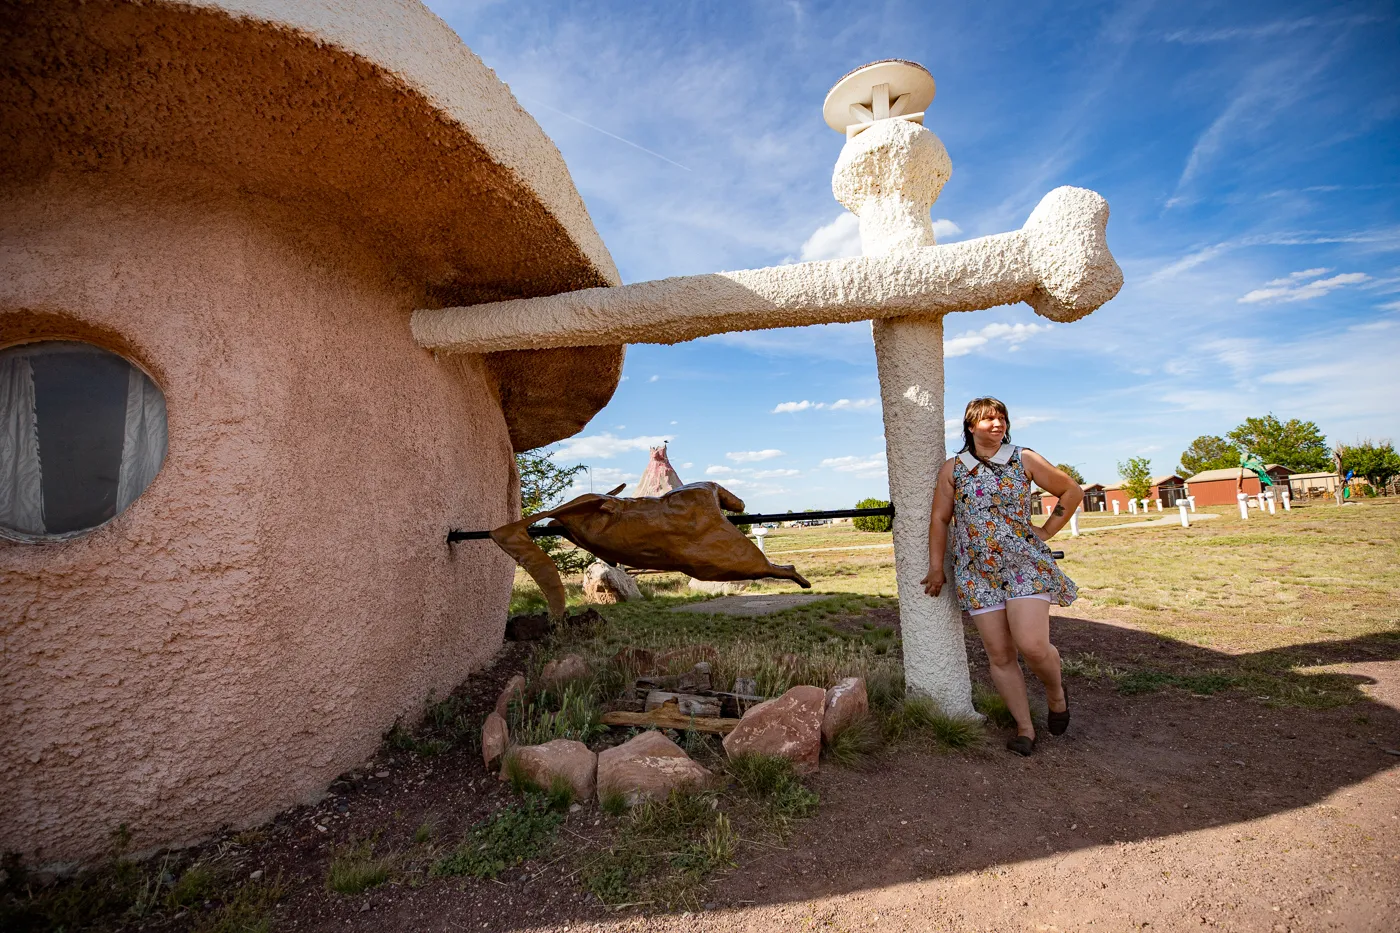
1298	445
1071	472
1379	463
1136	474
542	485
873	522
1208	452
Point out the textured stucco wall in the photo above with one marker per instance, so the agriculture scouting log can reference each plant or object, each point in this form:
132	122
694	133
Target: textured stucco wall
254	622
369	116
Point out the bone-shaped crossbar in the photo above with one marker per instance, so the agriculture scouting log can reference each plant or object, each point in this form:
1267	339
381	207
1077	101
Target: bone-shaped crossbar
1059	263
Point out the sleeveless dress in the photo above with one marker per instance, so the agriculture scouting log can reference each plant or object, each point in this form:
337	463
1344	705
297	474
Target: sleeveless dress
996	555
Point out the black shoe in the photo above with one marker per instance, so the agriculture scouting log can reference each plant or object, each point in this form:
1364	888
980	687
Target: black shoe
1059	722
1021	745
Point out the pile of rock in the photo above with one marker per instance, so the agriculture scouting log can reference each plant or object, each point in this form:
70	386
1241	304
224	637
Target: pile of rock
650	765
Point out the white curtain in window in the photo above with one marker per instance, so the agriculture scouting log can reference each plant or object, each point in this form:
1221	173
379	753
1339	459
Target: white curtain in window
21	489
144	438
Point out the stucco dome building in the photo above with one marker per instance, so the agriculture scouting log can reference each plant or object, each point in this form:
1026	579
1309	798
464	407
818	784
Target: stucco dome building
228	470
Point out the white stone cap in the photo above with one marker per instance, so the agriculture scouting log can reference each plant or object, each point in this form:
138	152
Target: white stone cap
909	91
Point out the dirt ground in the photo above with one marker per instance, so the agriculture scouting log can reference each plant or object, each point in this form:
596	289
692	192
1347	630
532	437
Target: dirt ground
1158	811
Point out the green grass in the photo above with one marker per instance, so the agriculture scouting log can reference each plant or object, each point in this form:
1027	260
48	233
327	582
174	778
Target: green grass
662	852
506	838
920	717
570	712
771	781
991	704
857	745
358	869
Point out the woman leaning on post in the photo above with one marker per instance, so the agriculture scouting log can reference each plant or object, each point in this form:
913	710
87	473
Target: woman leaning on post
1003	570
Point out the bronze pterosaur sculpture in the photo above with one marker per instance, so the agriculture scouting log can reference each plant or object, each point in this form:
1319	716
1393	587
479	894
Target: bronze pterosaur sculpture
684	531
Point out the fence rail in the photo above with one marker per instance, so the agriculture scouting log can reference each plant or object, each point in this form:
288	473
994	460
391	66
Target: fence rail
541	532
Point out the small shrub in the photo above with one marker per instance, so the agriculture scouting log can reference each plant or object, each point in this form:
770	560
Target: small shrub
517	775
873	522
426	832
194	887
761	775
665	846
358	869
247	911
561	794
854	746
503	840
919	714
613	802
992	705
1143	681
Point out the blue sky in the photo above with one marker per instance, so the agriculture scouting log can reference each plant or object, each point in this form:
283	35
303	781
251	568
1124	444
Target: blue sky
1250	153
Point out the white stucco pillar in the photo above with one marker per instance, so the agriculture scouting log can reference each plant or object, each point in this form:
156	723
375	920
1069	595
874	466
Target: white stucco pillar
889	176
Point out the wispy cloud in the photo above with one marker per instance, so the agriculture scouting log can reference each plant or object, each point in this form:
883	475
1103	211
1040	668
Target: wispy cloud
605	446
841	404
1280	27
1009	335
840	238
1296	287
721	470
753	456
873	463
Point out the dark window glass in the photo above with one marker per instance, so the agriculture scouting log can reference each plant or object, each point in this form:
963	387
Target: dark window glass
82	434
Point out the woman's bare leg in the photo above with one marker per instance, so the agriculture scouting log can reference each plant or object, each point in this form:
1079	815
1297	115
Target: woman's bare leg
1029	622
1006	671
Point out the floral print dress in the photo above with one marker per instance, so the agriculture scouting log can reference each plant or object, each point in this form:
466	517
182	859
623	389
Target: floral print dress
996	555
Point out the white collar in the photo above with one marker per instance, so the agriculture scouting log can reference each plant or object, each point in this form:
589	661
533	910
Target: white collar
1000	458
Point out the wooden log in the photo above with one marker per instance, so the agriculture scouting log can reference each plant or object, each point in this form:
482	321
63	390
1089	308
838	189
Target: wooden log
695	680
669	716
688	704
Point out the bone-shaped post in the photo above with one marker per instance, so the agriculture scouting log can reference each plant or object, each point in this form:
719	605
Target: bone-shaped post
889	173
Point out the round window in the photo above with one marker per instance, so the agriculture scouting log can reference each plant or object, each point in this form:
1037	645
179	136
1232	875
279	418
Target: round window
82	434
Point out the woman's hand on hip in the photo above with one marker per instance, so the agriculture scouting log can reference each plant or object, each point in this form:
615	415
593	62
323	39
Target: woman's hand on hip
933	583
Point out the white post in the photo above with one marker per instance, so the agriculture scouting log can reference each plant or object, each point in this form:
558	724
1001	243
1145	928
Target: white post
1074	524
1287	498
1115	506
1132	506
1272	510
1244	505
889	176
1192	500
760	533
1146	506
1185	519
1260	499
1159	505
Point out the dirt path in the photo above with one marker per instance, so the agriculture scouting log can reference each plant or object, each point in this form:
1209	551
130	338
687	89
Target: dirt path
1162	811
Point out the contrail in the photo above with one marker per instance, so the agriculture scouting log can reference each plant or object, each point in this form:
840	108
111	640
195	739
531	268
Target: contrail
599	129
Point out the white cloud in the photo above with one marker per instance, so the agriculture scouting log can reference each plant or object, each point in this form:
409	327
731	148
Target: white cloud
653	378
1011	335
752	456
945	229
836	240
875	463
841	404
604	446
1295	287
840	239
728	472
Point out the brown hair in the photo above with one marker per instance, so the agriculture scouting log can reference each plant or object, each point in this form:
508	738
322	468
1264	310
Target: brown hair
976	410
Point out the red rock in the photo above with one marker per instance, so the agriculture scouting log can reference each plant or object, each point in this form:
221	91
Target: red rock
514	687
648	767
636	659
573	761
495	737
571	667
845	703
790	727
